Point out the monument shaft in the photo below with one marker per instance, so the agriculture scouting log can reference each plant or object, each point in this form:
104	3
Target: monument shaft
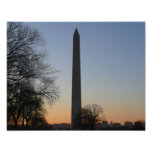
76	83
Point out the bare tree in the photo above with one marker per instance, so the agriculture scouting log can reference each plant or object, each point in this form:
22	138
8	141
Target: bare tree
91	115
28	75
38	120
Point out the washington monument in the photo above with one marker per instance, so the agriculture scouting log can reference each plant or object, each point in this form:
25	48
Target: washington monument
76	83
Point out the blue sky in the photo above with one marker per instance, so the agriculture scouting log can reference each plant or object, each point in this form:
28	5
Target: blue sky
112	66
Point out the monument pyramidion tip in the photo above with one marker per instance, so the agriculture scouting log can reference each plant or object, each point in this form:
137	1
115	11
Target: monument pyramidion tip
76	32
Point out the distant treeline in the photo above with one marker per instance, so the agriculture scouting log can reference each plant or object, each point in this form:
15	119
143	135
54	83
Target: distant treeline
138	125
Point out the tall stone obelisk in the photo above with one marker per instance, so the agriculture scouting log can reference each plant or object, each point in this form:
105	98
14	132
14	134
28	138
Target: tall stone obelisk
76	83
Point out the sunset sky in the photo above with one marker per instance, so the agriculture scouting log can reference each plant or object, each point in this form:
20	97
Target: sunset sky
112	67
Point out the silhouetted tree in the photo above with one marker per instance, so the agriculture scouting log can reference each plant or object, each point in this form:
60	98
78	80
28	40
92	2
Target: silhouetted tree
139	125
91	115
38	120
30	103
29	78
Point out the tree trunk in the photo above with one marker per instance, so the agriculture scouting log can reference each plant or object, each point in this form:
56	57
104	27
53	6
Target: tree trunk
16	124
27	121
23	119
23	122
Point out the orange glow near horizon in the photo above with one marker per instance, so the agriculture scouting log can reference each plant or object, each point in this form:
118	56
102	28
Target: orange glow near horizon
61	113
58	114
